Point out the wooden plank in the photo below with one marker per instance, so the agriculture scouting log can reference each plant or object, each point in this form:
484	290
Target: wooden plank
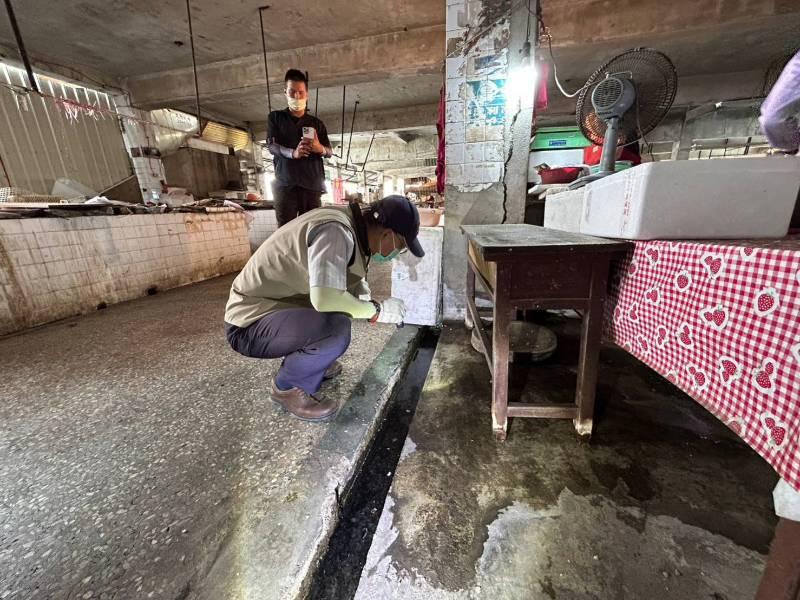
470	295
488	288
551	303
496	242
487	270
552	276
477	323
542	411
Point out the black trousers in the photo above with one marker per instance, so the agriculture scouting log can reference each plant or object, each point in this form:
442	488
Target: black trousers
309	341
291	202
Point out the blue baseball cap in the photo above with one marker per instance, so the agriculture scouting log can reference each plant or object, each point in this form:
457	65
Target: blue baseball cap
401	216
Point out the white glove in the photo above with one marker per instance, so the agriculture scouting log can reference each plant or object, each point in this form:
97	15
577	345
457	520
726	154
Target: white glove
361	291
393	310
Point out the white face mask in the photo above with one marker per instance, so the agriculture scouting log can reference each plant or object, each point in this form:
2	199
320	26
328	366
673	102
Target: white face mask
296	103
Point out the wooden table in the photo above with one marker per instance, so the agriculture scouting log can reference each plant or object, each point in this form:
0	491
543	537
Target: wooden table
529	267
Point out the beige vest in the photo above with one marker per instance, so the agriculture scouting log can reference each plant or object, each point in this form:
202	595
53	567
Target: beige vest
276	276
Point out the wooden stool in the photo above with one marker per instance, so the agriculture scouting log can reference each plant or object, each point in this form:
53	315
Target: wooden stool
529	267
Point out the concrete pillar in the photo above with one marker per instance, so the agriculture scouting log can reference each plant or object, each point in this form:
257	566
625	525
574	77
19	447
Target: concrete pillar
388	185
490	92
140	141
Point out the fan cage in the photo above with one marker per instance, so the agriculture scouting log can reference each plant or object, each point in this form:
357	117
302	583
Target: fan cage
656	83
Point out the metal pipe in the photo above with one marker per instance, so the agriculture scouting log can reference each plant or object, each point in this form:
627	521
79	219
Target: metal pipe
609	154
194	69
261	10
341	130
21	47
352	126
5	171
316	104
366	158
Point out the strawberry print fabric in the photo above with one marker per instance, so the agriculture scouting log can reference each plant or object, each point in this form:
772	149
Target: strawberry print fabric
721	320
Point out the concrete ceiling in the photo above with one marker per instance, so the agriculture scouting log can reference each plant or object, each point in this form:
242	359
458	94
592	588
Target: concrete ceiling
372	95
729	48
389	53
721	50
124	38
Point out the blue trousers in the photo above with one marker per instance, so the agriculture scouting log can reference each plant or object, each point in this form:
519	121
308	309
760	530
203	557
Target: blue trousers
307	340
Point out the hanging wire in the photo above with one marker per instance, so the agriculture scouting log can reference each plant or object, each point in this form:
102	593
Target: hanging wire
194	68
366	158
264	49
648	146
546	33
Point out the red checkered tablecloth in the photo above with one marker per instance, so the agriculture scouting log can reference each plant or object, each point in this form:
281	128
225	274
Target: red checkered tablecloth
721	320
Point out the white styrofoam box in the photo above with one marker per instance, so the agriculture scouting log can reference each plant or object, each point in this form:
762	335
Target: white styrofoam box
563	210
695	199
418	282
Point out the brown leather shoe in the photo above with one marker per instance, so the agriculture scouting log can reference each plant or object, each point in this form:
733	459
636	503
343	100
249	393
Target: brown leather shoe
334	370
303	406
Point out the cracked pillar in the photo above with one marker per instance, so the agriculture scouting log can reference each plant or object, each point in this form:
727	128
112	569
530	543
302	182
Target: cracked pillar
490	92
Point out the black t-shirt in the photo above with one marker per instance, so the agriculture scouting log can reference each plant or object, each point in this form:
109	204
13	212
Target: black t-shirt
285	129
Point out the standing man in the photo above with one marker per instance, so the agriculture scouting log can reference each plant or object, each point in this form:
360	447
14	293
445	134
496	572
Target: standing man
299	172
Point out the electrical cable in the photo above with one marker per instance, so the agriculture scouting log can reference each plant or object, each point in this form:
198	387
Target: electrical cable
647	144
546	33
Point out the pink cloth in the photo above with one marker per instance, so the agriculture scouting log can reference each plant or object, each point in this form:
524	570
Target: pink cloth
542	99
721	320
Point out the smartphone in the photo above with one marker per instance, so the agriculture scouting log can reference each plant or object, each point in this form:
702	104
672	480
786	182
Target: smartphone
308	133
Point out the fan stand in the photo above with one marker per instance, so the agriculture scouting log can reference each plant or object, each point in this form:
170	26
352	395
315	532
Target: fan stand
607	158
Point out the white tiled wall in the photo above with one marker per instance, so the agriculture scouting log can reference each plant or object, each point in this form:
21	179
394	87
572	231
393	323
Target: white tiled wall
262	226
55	268
475	78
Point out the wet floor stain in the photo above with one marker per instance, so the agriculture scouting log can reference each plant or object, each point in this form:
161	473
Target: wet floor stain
659	469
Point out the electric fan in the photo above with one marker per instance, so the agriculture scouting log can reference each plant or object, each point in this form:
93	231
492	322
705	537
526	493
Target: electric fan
630	95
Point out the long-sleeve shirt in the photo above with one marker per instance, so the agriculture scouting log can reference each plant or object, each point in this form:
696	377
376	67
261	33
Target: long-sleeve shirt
779	112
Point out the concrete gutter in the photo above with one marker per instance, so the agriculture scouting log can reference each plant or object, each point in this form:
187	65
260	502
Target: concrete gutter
274	548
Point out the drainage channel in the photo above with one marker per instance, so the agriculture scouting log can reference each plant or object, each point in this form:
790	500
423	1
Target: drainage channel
338	573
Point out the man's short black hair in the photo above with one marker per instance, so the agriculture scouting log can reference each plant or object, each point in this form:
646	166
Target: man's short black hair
295	75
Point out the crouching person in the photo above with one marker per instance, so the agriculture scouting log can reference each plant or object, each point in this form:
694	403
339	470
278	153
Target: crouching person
297	294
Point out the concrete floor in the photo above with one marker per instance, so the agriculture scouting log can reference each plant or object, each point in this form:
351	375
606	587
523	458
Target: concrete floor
664	502
140	457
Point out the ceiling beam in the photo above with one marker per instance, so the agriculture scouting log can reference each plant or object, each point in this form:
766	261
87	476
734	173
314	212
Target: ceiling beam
391	119
371	58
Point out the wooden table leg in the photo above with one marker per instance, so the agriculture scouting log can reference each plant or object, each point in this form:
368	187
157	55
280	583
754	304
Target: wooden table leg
590	351
503	315
781	577
470	294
